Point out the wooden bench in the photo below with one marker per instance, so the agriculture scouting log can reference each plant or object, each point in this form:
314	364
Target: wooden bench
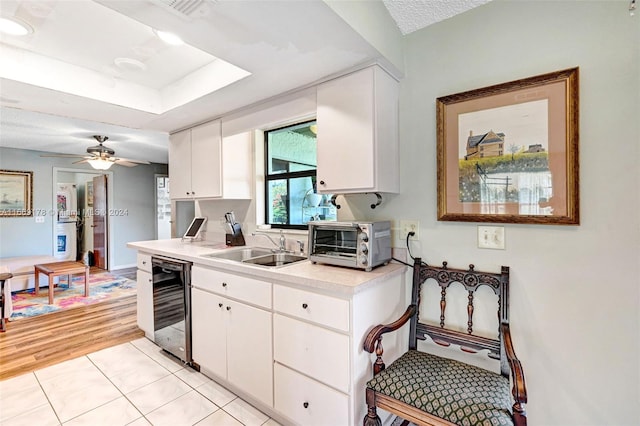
429	389
4	276
21	269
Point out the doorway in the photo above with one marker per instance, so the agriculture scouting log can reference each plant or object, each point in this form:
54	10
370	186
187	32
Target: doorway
163	208
83	181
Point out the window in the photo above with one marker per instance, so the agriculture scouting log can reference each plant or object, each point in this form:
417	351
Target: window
290	176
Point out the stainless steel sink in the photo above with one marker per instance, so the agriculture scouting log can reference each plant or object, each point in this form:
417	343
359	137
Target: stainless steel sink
257	256
275	259
240	255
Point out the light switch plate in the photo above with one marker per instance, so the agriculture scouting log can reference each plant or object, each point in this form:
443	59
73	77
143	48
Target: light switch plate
491	237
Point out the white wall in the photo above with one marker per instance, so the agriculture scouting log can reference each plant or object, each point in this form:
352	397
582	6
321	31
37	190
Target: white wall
574	289
133	189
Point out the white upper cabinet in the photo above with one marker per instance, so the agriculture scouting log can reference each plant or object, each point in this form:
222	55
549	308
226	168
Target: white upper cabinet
357	119
203	165
180	164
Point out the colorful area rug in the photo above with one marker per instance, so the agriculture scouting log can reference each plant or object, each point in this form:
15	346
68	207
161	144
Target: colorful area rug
102	287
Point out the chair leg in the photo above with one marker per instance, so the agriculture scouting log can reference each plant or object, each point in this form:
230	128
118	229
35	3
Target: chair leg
520	418
519	414
371	418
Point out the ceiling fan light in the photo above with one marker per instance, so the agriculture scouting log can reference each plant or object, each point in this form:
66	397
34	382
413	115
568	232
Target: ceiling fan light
100	163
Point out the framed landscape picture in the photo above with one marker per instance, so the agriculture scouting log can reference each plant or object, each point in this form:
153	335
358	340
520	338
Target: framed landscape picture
16	193
509	153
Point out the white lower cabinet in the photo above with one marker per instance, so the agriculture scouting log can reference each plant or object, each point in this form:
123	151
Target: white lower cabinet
311	348
209	332
307	401
249	350
232	340
144	295
294	353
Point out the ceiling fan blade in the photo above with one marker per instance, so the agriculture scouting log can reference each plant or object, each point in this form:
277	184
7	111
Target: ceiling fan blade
125	163
81	161
63	155
128	160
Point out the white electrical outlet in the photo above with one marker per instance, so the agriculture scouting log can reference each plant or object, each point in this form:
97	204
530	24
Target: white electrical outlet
39	219
407	226
491	237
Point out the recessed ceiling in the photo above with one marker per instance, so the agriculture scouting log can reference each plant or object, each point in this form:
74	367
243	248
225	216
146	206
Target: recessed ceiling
108	46
134	69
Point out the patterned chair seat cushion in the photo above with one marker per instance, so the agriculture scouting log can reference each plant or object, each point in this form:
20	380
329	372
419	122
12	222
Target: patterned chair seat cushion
460	393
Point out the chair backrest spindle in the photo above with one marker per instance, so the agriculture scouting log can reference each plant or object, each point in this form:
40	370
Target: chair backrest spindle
471	280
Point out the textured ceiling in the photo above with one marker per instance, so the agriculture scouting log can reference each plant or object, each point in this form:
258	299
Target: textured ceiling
412	15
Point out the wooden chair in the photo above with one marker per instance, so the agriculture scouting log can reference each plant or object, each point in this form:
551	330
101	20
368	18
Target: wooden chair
433	390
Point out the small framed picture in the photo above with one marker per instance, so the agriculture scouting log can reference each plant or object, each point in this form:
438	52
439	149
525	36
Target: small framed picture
16	193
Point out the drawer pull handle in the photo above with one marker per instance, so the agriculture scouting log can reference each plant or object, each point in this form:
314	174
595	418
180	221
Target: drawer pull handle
144	262
305	405
224	284
305	306
220	305
228	308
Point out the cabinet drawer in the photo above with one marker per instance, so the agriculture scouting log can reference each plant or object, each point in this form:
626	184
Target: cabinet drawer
144	262
324	310
308	402
235	286
310	349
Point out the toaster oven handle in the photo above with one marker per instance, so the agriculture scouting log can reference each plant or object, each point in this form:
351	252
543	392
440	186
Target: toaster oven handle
333	225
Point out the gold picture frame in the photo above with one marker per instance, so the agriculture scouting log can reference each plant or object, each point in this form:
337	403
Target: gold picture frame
16	193
509	153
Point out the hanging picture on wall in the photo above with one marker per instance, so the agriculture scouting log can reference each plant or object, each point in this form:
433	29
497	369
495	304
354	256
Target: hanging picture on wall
89	193
16	193
509	153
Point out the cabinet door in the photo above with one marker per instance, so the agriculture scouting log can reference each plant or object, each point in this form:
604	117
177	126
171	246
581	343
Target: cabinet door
144	295
345	118
206	158
249	350
237	166
180	164
208	332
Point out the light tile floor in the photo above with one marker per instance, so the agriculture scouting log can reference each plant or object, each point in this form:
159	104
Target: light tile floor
129	384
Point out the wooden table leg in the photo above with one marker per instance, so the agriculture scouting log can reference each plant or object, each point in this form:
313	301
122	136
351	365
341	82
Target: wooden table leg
86	281
51	276
36	282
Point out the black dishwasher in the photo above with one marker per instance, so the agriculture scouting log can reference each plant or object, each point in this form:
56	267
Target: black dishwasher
172	306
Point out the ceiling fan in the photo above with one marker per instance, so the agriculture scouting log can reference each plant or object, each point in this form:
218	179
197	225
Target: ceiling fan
100	157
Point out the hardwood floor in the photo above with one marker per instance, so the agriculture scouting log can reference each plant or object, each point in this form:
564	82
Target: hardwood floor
33	343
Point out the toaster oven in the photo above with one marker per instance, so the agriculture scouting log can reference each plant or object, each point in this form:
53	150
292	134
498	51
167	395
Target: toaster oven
361	245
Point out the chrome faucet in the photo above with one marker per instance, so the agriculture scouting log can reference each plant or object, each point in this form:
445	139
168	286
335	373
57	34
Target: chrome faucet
283	241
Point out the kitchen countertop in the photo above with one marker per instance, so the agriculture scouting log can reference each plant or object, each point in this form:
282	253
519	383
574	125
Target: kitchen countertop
303	274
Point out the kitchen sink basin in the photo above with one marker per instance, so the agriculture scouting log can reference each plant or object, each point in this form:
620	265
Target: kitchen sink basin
275	259
257	256
240	255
